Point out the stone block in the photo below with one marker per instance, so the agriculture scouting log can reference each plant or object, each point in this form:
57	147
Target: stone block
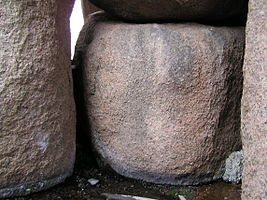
254	104
37	114
163	100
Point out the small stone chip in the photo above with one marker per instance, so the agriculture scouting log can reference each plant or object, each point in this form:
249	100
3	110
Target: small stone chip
93	181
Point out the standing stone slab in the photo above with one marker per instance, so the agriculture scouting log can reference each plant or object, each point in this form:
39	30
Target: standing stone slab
37	116
162	10
163	100
254	104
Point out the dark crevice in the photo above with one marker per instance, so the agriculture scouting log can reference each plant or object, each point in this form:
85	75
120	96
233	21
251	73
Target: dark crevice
85	158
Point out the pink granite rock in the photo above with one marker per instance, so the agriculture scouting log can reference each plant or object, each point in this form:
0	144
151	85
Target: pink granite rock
254	104
163	100
37	115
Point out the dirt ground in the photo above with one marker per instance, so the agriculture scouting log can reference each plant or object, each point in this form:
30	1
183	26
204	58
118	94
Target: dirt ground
77	187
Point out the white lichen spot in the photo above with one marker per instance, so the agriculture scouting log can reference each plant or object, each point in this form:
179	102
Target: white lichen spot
42	140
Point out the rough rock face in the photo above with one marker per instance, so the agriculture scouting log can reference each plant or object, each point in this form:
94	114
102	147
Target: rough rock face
163	100
196	10
88	8
234	167
254	104
37	117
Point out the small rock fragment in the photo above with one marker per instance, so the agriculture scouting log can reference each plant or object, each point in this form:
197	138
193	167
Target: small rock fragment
181	197
93	181
234	167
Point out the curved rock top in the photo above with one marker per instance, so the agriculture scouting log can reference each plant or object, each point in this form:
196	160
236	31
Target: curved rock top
167	10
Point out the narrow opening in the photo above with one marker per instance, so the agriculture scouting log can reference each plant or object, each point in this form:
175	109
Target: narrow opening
76	23
84	155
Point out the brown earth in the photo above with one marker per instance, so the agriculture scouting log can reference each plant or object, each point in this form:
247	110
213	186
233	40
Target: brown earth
77	188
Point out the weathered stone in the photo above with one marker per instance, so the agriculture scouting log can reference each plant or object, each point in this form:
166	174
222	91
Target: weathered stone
88	8
163	100
234	167
254	104
158	10
37	116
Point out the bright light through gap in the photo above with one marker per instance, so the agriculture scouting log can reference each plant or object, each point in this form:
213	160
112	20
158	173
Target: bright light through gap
76	23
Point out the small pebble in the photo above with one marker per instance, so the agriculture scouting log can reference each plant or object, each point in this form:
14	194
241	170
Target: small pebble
93	181
181	197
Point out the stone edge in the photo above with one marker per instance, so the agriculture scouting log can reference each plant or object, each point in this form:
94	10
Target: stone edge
170	179
31	187
161	178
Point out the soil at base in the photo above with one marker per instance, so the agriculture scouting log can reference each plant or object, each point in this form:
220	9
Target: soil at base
77	187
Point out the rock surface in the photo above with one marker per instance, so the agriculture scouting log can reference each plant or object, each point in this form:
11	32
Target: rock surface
88	8
254	104
234	167
163	100
158	10
37	116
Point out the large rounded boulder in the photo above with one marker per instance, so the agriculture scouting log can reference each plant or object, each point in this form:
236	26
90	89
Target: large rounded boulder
163	100
162	10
